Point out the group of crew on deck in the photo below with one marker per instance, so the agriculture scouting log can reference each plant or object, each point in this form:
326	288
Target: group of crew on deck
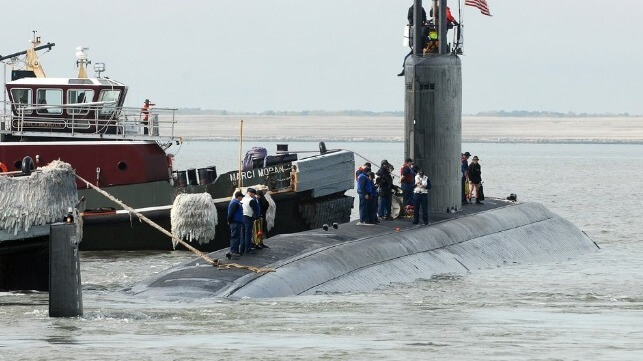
247	213
375	190
247	220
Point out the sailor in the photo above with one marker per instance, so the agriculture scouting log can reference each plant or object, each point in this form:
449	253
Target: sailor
145	112
235	220
263	211
409	15
361	169
372	204
385	182
474	173
421	199
425	33
407	182
251	213
363	190
451	22
465	165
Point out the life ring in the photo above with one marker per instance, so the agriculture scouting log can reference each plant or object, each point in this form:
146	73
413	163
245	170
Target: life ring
3	168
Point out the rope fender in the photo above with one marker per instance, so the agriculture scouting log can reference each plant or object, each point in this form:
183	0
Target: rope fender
214	262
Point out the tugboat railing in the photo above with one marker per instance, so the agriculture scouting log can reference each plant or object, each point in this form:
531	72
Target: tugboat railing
89	120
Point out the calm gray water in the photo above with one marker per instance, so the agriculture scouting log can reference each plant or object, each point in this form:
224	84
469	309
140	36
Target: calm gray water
588	308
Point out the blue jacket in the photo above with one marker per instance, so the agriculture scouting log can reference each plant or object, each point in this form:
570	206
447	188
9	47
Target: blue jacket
464	167
235	211
372	189
362	183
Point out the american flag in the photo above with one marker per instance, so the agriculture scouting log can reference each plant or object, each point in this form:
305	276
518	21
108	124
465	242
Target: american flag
480	4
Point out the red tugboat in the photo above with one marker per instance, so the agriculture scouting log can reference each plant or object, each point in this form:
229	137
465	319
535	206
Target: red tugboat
82	121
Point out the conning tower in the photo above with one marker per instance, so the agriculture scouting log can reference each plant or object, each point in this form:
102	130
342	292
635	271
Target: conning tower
433	108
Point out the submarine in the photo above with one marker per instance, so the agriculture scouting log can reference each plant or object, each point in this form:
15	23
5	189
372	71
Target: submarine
356	258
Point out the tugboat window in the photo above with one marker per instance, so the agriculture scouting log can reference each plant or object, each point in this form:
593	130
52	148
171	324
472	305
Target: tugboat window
21	97
122	165
49	97
111	98
79	96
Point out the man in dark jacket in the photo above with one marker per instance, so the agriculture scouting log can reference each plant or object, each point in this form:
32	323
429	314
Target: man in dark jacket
263	207
425	33
372	210
363	191
235	220
410	15
385	183
474	173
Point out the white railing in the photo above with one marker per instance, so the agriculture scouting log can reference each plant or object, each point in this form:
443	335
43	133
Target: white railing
89	120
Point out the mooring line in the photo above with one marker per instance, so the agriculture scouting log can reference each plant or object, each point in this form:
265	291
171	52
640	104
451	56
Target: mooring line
373	164
214	262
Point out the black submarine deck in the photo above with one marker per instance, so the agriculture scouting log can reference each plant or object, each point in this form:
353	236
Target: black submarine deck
363	257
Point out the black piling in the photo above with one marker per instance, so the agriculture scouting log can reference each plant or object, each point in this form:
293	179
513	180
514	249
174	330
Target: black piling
65	292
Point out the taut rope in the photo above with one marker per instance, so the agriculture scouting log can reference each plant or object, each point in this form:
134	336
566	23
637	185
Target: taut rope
214	262
373	163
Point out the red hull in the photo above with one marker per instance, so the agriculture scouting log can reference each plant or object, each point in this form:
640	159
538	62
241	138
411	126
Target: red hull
105	163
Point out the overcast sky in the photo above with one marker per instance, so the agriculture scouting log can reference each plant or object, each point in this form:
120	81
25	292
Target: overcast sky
256	55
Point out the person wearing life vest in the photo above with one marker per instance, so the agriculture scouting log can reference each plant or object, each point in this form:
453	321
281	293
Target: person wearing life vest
235	220
407	182
145	112
361	169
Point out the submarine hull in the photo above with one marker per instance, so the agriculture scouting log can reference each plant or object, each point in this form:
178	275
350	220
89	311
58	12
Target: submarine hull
364	258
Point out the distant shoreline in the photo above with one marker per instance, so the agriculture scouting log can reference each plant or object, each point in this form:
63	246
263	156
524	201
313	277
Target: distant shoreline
606	130
365	140
400	113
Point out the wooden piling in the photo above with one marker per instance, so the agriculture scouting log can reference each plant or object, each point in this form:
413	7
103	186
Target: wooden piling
65	292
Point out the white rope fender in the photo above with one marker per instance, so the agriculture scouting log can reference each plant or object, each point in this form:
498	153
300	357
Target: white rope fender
41	198
194	217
